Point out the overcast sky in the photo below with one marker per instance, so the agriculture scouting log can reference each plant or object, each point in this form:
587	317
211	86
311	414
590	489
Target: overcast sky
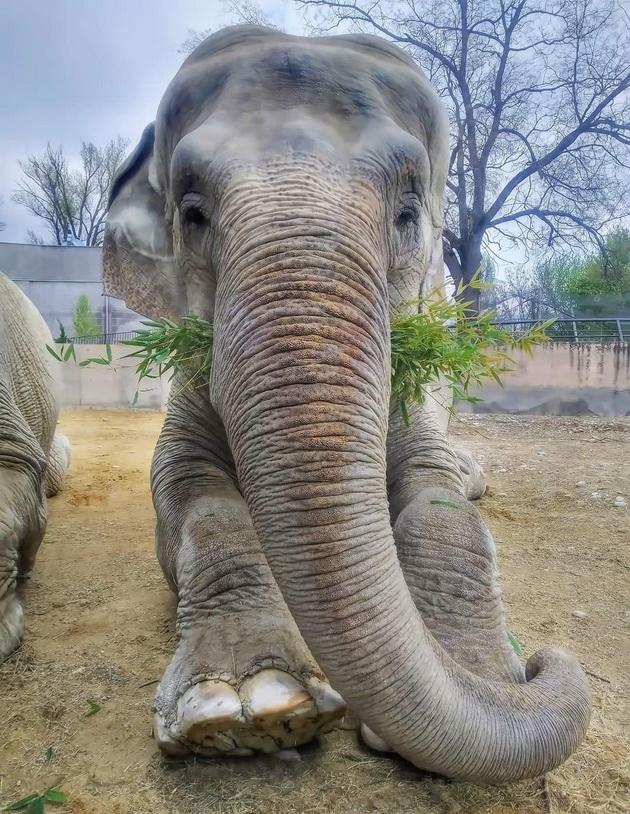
92	70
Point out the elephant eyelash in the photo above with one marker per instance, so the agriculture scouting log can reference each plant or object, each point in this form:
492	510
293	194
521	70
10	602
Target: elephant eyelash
409	211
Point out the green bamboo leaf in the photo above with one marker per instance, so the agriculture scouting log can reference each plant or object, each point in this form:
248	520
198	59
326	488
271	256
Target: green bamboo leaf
53	353
108	351
448	503
36	807
69	352
55	796
136	396
19	804
404	412
514	642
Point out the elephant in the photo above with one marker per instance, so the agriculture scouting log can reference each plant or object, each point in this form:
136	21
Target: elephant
323	552
34	457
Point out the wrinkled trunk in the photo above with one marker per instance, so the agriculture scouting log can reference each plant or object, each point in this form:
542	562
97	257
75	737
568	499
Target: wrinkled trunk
301	379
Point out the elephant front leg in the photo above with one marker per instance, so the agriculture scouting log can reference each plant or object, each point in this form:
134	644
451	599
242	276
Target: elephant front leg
445	549
446	552
23	514
241	679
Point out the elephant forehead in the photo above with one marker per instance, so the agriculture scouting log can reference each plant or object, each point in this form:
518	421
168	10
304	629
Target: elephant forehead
333	77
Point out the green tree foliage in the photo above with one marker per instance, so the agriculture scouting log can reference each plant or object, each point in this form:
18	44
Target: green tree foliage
84	321
529	293
565	287
62	338
601	285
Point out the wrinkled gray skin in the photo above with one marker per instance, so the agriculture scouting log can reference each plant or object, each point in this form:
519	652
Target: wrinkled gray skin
33	459
291	191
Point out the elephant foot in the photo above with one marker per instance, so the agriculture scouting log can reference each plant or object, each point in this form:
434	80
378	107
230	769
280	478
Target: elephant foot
373	741
59	459
472	471
272	704
11	625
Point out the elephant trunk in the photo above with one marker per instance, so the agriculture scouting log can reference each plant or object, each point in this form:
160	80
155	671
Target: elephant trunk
301	379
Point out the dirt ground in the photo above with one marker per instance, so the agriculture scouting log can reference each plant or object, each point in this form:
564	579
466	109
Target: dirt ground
75	701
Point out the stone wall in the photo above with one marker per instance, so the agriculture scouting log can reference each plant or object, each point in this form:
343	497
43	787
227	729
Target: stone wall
562	379
109	387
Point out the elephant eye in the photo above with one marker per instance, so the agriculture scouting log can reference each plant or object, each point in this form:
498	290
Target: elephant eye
409	209
192	214
192	211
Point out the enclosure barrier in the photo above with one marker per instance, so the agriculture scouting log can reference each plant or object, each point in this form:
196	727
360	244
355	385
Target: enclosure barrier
595	329
587	377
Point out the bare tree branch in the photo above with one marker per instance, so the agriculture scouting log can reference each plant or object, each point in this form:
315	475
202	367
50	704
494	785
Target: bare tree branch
538	92
70	200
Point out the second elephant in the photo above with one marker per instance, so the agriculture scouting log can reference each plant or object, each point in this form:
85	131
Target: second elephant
33	456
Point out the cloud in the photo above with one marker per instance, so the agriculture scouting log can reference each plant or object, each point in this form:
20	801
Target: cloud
77	70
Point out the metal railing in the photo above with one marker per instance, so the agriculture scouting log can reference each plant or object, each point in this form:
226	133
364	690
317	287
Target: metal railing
592	329
596	329
104	339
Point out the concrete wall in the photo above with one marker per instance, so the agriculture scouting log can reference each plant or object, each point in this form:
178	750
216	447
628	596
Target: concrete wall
53	278
562	379
110	387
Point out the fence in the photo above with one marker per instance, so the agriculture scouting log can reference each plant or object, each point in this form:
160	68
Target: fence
597	329
562	378
105	339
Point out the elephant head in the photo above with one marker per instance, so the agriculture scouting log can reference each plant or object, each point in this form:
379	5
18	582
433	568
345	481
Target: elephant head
291	190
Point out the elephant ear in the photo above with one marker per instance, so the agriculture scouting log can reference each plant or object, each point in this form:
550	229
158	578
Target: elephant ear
138	262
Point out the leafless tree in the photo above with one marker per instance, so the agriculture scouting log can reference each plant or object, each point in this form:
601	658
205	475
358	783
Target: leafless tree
241	11
33	239
538	96
70	200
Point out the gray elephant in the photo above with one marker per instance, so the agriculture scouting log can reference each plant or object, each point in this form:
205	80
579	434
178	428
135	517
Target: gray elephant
291	190
33	458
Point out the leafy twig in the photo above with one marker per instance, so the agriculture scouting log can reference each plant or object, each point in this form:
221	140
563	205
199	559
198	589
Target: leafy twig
36	803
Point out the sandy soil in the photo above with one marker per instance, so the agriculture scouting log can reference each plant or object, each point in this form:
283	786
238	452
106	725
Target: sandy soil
75	700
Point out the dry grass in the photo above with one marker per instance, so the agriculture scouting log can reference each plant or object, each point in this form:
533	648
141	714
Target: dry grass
99	623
